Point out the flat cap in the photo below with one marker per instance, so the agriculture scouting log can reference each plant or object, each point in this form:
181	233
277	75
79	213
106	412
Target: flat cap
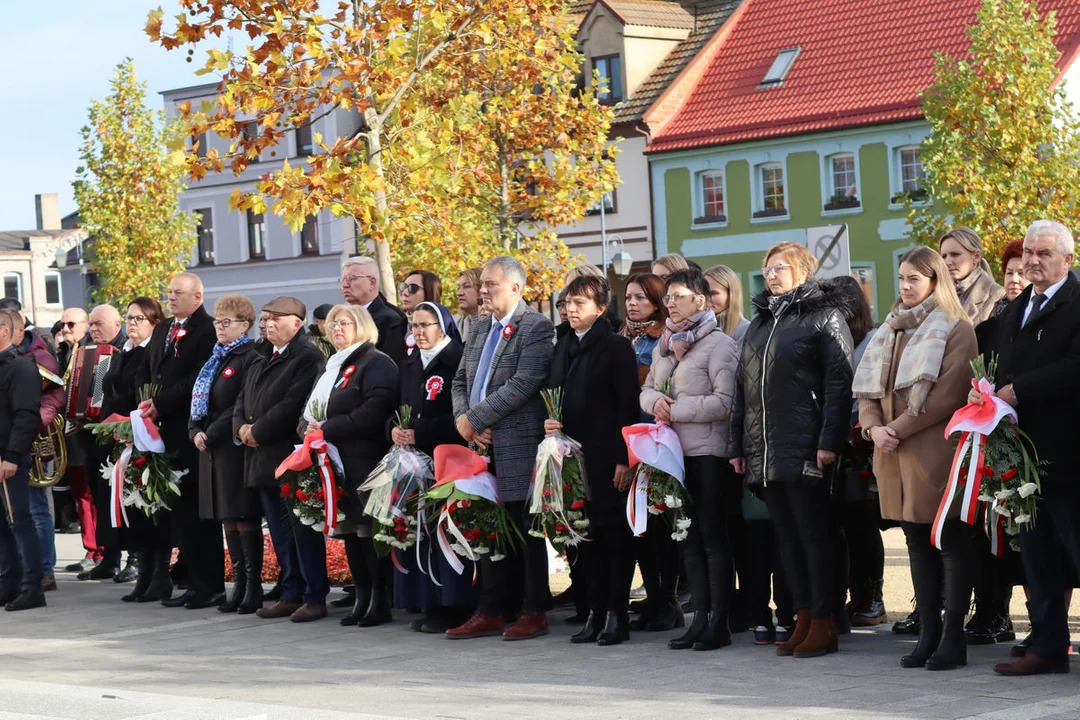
322	311
286	305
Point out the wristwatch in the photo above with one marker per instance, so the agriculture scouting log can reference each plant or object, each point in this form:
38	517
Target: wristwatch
866	434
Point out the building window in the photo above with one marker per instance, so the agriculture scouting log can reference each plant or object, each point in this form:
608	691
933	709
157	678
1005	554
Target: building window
772	202
304	144
53	295
609	68
780	67
13	285
199	145
912	175
309	236
608	204
843	186
205	232
711	198
250	131
256	226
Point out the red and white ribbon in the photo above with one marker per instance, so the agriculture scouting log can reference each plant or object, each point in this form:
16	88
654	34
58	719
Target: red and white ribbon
117	512
637	501
326	456
446	523
328	487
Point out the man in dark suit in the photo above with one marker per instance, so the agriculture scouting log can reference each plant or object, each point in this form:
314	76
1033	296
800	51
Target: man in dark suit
360	286
177	351
497	404
1038	346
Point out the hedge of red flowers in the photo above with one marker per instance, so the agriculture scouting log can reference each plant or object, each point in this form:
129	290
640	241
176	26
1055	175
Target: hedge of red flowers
337	568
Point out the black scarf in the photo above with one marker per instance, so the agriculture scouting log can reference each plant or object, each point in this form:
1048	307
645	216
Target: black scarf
569	365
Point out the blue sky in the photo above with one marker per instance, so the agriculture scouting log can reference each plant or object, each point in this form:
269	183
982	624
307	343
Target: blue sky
60	55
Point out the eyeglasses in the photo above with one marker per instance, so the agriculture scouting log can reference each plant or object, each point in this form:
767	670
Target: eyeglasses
134	319
775	269
339	324
224	323
411	288
420	327
672	299
70	325
353	278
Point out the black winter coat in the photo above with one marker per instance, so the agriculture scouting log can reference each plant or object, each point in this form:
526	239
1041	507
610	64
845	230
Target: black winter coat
393	327
20	406
222	494
272	401
127	373
432	420
793	395
356	416
599	378
174	368
1042	361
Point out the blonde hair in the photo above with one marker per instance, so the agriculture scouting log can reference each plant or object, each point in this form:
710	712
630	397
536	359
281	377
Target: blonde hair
802	261
968	239
583	270
672	262
239	306
930	264
473	276
723	275
366	331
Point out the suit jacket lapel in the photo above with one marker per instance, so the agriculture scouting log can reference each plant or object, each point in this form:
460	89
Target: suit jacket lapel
1062	296
515	320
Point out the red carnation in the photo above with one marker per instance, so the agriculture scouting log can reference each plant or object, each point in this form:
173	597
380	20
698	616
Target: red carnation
559	527
286	489
1009	474
493	536
319	495
661	507
140	462
986	471
566	487
302	496
577	504
547	493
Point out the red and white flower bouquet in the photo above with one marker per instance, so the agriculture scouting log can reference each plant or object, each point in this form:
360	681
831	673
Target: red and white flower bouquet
656	466
558	492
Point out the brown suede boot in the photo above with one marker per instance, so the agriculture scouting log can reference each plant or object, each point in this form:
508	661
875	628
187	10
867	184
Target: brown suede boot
802	628
821	639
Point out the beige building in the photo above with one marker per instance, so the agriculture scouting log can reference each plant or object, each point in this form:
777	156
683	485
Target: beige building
28	262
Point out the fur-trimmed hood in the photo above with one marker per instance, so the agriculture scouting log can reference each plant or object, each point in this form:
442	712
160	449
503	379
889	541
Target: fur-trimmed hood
810	297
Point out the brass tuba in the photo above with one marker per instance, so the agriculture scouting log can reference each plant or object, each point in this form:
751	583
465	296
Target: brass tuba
48	451
49	454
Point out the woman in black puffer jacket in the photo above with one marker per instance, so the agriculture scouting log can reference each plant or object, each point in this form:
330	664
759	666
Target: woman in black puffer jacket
792	417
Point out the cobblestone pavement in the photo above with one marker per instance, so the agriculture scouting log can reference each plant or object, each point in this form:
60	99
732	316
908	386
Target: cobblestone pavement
90	656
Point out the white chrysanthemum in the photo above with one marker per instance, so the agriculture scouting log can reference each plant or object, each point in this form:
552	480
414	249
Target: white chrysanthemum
1012	530
683	523
497	558
672	502
296	512
1028	489
1021	519
307	521
654	511
581	524
481	551
679	536
1003	494
986	498
318	527
1002	511
573	541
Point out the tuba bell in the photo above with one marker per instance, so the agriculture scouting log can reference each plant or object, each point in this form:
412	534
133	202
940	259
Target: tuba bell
48	451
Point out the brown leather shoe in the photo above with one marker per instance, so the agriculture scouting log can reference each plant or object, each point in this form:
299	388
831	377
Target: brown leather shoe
48	583
309	612
529	625
1032	664
478	625
820	640
798	635
279	609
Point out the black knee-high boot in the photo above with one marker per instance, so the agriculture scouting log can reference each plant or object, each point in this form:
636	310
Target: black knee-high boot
161	585
354	555
697	575
926	577
142	581
717	632
239	589
378	609
251	544
959	546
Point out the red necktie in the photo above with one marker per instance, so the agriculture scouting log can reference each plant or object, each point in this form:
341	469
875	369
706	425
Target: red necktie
173	332
274	356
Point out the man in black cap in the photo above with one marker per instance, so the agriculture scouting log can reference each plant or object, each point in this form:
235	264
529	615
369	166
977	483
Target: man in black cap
317	330
266	419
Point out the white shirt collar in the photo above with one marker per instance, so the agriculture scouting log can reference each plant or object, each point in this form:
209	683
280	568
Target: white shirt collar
129	345
367	305
1052	289
280	350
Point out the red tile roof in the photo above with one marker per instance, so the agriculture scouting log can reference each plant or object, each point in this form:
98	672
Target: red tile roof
863	62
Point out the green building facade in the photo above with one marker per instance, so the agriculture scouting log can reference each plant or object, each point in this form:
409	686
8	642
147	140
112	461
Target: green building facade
729	204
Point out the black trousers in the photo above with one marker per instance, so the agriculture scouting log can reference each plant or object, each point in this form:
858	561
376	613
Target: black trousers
716	492
993	587
801	518
866	550
949	570
761	573
1054	538
658	559
520	581
607	563
200	541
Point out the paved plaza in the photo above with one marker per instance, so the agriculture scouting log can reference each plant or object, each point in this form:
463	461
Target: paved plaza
89	656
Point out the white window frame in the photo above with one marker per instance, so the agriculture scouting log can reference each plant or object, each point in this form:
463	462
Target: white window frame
828	182
699	198
896	175
759	193
59	288
18	284
781	66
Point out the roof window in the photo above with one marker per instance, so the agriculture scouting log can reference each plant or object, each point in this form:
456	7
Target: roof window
780	67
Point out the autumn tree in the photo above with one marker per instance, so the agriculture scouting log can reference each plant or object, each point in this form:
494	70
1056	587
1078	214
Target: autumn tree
1005	145
128	194
408	176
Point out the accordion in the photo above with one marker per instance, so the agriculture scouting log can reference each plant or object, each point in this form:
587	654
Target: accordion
86	389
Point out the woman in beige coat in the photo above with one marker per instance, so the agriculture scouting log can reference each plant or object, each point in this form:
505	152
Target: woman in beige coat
961	249
701	362
914	375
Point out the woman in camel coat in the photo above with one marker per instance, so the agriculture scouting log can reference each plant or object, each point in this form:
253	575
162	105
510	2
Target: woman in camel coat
914	375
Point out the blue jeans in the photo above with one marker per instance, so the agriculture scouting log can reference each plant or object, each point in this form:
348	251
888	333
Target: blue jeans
20	553
43	522
301	552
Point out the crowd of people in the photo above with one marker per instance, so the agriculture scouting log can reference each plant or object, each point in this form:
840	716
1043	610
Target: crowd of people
780	418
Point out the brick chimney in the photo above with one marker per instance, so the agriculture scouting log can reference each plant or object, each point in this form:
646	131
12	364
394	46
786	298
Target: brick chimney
48	211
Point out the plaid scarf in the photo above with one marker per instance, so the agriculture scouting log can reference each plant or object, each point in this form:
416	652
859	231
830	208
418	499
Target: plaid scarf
200	394
680	336
920	364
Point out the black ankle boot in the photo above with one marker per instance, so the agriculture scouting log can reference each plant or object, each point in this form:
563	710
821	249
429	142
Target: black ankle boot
239	588
354	556
161	585
361	600
145	563
668	616
616	629
378	609
952	651
251	544
696	629
717	633
929	639
648	615
590	632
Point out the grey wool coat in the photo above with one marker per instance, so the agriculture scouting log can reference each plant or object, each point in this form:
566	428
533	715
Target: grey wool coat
512	408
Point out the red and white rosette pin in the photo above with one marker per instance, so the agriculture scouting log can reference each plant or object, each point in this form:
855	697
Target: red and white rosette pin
180	335
348	373
434	386
508	331
228	372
